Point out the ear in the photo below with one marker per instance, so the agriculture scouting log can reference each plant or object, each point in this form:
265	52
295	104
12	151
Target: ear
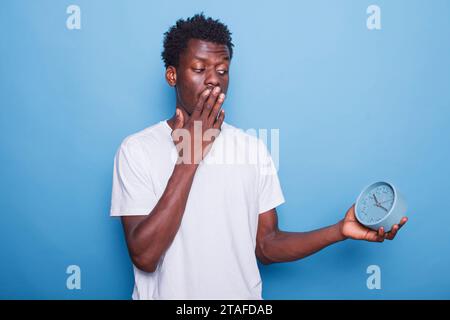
171	76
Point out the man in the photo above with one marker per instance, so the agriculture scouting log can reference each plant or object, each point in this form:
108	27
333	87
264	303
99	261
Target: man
195	227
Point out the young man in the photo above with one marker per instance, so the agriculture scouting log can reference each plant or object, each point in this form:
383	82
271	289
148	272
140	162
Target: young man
195	226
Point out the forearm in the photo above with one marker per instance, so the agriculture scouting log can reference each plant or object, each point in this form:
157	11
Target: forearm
152	236
282	246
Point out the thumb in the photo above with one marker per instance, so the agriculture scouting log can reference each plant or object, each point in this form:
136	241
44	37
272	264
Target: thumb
179	121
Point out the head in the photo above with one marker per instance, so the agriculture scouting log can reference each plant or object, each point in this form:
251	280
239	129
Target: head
197	55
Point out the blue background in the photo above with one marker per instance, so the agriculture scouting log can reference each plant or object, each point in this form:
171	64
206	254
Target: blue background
353	106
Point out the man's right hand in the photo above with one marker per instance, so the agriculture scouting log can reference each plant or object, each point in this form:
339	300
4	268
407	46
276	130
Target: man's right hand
194	136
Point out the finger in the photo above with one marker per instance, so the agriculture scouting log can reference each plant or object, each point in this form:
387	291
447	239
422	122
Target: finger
219	121
210	102
374	237
371	236
403	221
179	120
216	109
381	232
200	103
380	238
377	236
391	234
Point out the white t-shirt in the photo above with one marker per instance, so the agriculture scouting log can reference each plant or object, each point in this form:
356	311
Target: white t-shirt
213	253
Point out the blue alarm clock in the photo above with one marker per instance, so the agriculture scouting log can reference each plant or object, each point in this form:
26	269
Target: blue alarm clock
380	205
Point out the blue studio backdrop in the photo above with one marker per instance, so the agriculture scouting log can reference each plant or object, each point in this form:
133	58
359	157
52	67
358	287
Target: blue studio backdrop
353	105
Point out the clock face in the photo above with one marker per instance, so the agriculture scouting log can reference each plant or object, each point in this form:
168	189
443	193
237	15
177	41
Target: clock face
376	203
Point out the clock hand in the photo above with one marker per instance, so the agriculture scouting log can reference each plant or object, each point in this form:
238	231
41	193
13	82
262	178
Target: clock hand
378	203
376	200
385	201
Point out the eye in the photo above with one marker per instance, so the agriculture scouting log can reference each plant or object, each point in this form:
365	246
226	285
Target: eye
222	72
198	70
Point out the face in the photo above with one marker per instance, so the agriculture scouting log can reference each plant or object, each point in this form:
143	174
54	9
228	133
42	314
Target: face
376	203
203	64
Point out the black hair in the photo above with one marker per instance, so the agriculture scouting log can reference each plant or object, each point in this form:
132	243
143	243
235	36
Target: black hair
196	27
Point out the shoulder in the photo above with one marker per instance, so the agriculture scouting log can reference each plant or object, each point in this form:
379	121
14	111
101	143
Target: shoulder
147	138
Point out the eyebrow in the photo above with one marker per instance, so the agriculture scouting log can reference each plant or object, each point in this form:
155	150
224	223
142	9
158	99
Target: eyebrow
226	58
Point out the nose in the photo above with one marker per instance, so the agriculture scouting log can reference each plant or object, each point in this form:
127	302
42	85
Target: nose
212	79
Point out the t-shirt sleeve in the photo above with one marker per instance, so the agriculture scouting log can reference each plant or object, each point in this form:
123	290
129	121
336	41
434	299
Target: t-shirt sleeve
132	189
270	194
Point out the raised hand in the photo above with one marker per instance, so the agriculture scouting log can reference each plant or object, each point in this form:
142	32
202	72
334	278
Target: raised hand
194	136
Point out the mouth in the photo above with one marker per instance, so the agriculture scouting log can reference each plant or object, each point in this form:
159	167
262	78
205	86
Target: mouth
209	87
213	87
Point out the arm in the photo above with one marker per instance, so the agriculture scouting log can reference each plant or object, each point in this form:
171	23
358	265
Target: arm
273	245
148	237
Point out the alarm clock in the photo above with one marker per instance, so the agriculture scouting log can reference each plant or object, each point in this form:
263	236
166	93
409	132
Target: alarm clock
380	205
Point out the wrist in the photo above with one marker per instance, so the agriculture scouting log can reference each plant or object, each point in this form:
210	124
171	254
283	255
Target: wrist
339	230
187	168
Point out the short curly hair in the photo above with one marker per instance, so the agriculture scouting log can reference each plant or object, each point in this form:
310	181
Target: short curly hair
196	27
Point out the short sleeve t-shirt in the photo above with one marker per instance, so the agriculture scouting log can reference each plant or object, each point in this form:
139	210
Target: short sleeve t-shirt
213	253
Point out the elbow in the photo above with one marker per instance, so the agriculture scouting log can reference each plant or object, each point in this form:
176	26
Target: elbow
265	261
143	258
262	254
144	263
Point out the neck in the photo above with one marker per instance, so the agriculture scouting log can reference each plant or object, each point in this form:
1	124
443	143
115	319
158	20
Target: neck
171	121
